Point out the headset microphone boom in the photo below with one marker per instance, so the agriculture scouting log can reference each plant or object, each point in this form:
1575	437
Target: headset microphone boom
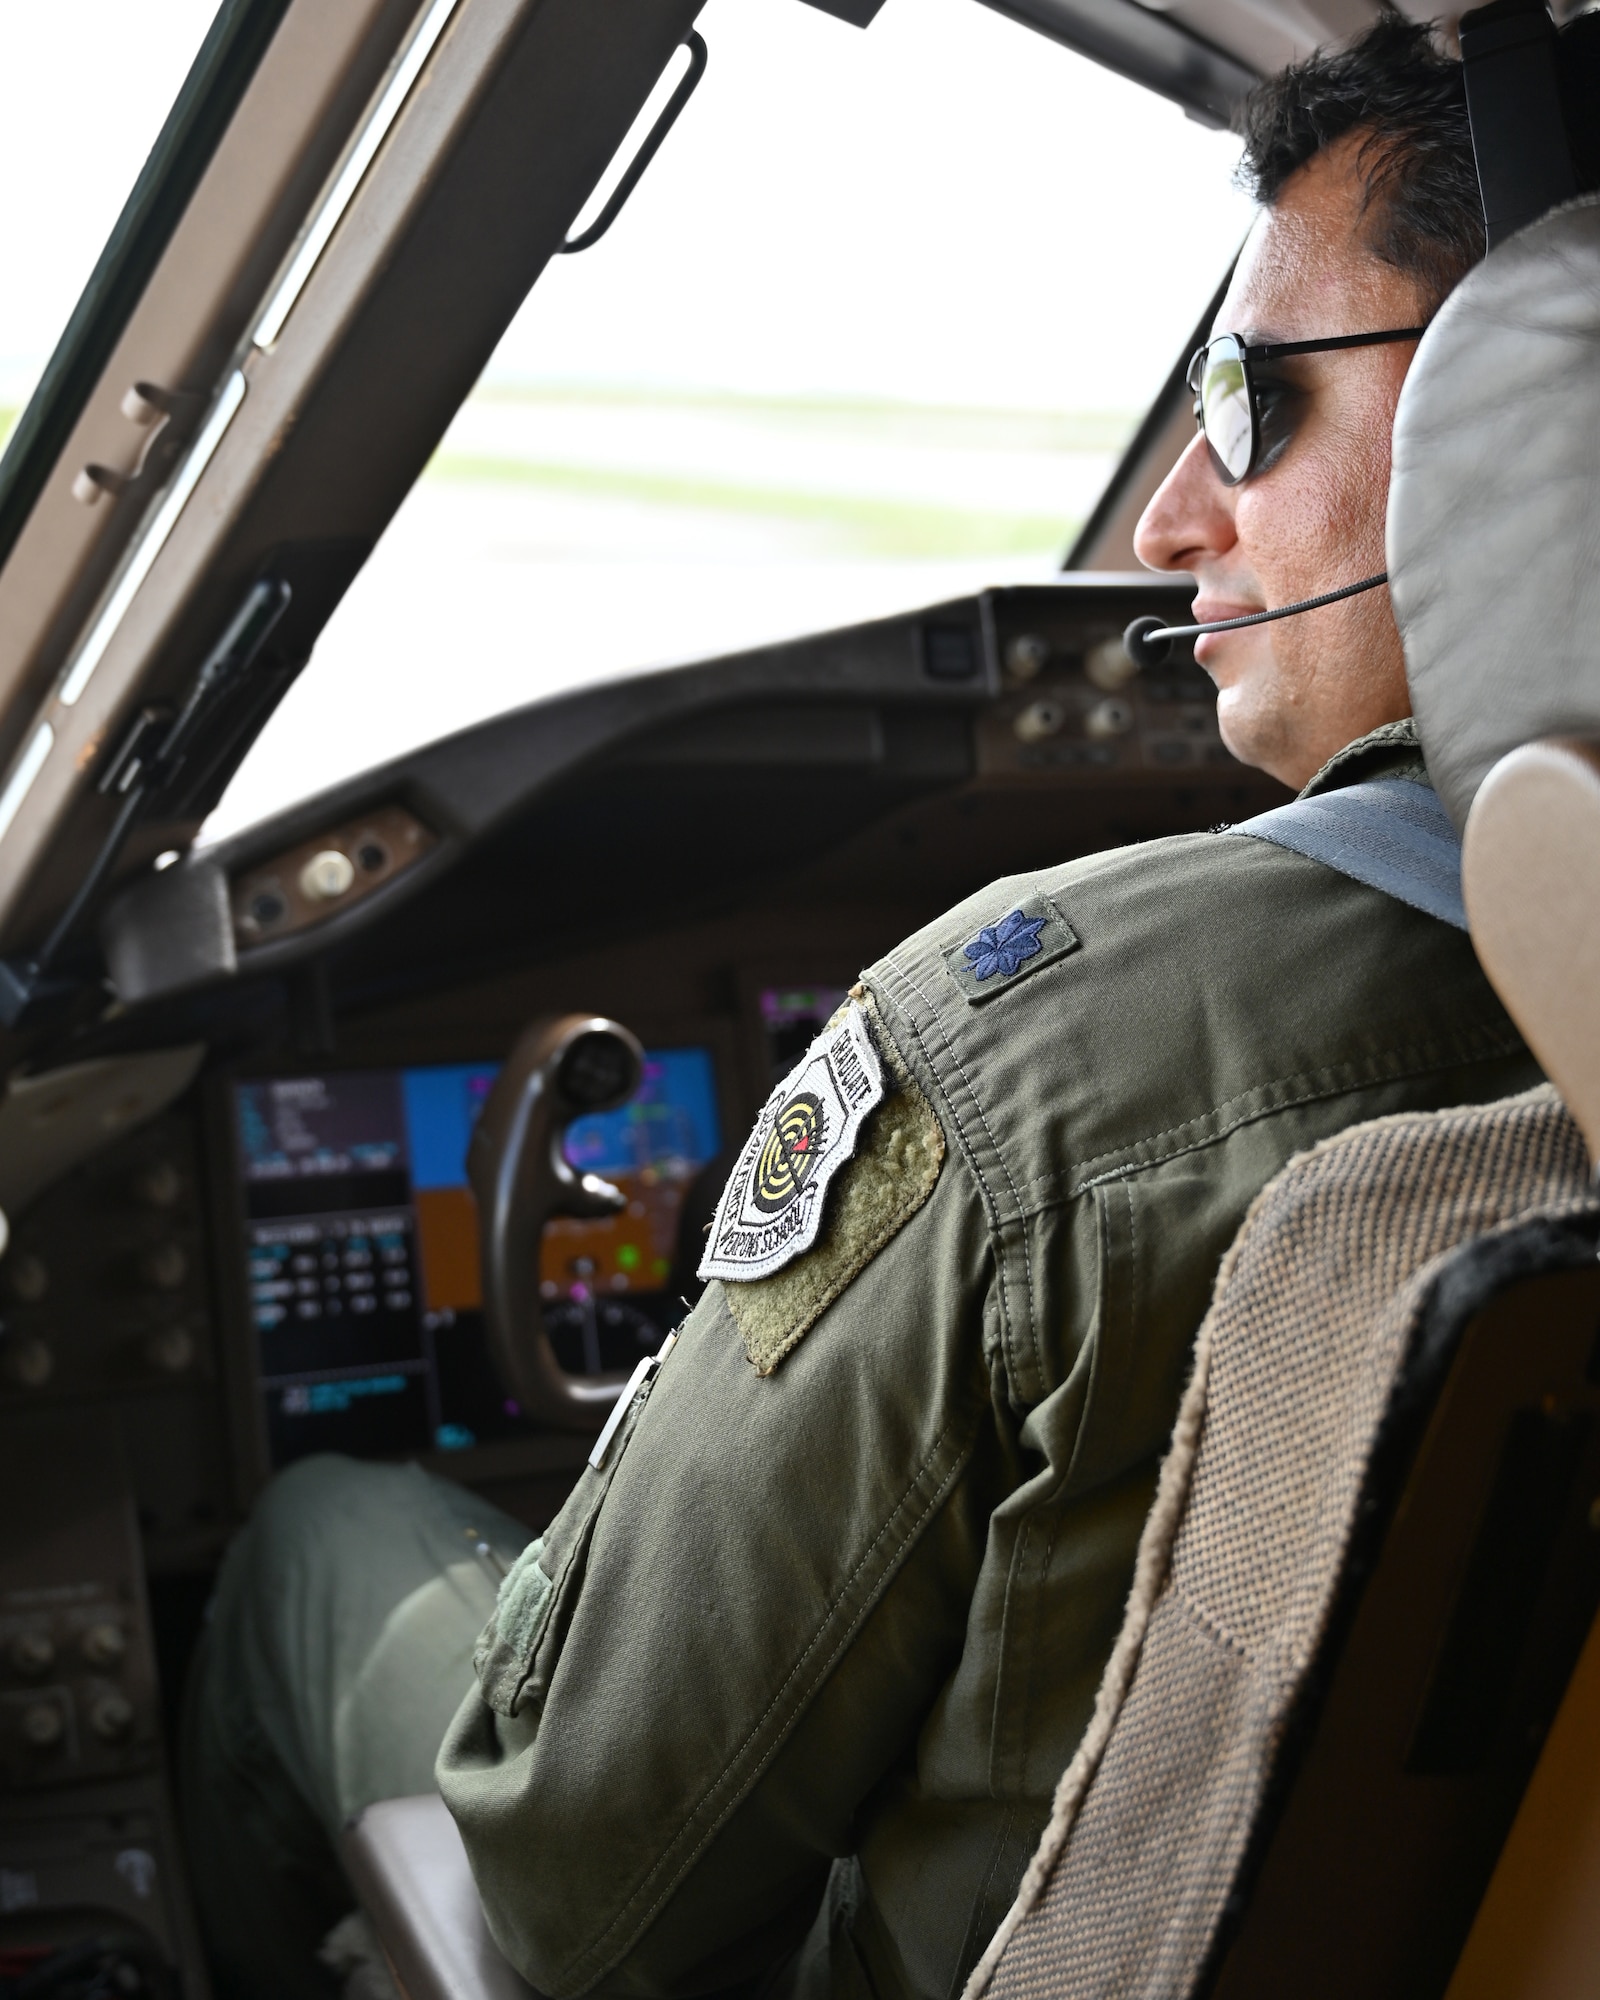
1148	641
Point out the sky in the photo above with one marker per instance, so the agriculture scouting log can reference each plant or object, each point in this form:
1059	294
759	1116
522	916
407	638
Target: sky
946	207
869	334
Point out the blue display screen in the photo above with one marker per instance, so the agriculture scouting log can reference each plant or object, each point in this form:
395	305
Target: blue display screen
362	1247
672	1117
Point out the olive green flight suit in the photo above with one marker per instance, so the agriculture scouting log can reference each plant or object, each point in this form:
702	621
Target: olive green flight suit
784	1692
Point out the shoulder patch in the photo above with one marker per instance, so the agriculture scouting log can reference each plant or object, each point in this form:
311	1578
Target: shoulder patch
771	1209
1014	943
879	1190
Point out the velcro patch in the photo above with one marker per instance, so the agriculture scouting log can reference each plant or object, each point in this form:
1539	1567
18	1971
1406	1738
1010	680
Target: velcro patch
771	1209
505	1646
891	1176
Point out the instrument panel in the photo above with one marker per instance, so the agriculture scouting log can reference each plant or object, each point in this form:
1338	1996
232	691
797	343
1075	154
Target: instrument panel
361	1256
286	1260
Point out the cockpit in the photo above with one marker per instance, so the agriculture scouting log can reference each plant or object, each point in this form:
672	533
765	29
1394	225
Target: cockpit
552	540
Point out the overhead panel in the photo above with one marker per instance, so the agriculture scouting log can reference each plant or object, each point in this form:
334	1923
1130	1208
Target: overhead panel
1145	46
858	13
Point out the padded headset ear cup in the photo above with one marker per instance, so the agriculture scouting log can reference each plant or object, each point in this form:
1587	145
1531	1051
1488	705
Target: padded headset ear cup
1494	506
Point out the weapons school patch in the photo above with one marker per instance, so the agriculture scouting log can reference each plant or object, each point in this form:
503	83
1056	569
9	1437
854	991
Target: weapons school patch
894	1170
771	1209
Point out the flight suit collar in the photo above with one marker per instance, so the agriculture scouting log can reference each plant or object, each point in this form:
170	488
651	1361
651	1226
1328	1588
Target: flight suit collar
1389	751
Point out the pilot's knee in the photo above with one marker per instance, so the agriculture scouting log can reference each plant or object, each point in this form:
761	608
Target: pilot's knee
314	1498
310	1522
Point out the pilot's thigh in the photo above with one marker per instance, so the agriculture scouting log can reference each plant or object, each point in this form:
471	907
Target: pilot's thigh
344	1624
340	1646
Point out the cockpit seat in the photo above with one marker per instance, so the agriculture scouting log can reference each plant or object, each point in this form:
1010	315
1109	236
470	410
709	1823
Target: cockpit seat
1365	1595
406	1862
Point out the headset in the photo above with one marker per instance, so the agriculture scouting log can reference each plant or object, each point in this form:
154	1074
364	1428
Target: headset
1533	104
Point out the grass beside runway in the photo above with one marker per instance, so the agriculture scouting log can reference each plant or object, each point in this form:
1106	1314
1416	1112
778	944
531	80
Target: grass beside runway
863	526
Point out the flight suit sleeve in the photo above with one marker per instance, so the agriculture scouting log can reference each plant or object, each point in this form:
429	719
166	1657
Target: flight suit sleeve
735	1629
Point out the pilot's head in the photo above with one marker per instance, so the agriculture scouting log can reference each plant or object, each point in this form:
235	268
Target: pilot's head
1362	162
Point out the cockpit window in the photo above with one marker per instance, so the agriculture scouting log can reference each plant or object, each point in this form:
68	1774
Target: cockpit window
870	332
84	88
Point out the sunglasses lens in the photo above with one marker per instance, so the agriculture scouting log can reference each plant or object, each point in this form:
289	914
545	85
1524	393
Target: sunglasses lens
1225	407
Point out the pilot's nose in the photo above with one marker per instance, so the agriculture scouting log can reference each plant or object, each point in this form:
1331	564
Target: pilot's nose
1191	515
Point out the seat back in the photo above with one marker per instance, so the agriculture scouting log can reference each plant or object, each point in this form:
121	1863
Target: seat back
1494	529
1493	508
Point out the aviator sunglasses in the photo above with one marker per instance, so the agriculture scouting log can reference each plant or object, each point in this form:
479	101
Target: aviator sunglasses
1227	406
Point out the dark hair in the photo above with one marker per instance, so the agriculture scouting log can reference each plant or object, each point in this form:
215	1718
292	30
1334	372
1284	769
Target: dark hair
1407	100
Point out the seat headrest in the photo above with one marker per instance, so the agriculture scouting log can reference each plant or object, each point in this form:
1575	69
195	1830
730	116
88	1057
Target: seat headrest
1494	506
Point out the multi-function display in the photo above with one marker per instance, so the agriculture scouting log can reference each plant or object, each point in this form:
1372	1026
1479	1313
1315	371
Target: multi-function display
361	1244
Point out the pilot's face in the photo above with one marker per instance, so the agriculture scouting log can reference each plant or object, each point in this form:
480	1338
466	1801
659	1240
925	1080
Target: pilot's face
1293	692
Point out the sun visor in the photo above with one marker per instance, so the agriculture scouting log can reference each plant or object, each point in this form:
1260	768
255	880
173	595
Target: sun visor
1494	506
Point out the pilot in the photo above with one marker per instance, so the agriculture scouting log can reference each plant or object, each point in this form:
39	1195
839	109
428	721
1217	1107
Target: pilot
779	1701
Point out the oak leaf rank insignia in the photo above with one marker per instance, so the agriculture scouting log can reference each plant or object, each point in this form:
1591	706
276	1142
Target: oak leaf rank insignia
1017	943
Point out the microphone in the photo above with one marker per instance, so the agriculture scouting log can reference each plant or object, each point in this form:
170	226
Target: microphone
1148	642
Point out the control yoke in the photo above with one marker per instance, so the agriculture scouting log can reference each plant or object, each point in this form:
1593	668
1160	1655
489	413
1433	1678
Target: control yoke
559	1070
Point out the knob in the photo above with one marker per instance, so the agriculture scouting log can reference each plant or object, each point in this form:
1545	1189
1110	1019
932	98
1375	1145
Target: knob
43	1725
105	1645
158	1185
1109	718
27	1362
32	1653
27	1278
1109	665
1027	656
165	1265
170	1350
1040	719
326	876
111	1717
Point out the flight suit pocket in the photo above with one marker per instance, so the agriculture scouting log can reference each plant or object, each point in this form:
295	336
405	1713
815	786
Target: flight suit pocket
1103	1451
517	1650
